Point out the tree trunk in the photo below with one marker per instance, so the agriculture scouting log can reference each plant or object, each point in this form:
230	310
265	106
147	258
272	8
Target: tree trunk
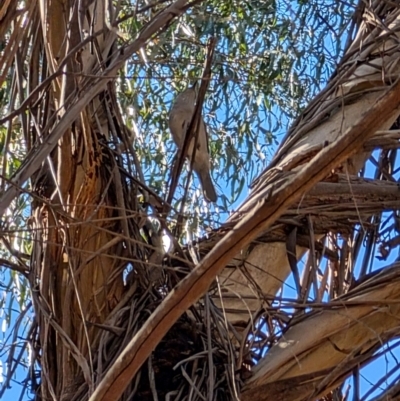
80	280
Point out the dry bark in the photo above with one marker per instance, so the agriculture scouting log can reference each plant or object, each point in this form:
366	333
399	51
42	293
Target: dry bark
344	334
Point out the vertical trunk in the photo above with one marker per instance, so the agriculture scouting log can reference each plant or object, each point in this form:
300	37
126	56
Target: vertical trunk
80	280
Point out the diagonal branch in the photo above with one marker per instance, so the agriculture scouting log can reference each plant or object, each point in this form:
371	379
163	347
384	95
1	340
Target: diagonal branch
273	203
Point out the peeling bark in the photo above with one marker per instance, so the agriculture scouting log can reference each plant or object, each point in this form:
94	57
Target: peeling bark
342	336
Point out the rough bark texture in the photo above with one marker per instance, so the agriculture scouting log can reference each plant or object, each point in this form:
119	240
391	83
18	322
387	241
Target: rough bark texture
79	285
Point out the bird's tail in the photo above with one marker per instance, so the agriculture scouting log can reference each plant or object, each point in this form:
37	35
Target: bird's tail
208	186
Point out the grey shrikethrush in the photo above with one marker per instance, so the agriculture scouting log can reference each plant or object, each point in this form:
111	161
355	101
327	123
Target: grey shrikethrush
179	120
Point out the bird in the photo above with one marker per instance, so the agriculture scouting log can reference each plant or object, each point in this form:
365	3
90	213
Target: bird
179	120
